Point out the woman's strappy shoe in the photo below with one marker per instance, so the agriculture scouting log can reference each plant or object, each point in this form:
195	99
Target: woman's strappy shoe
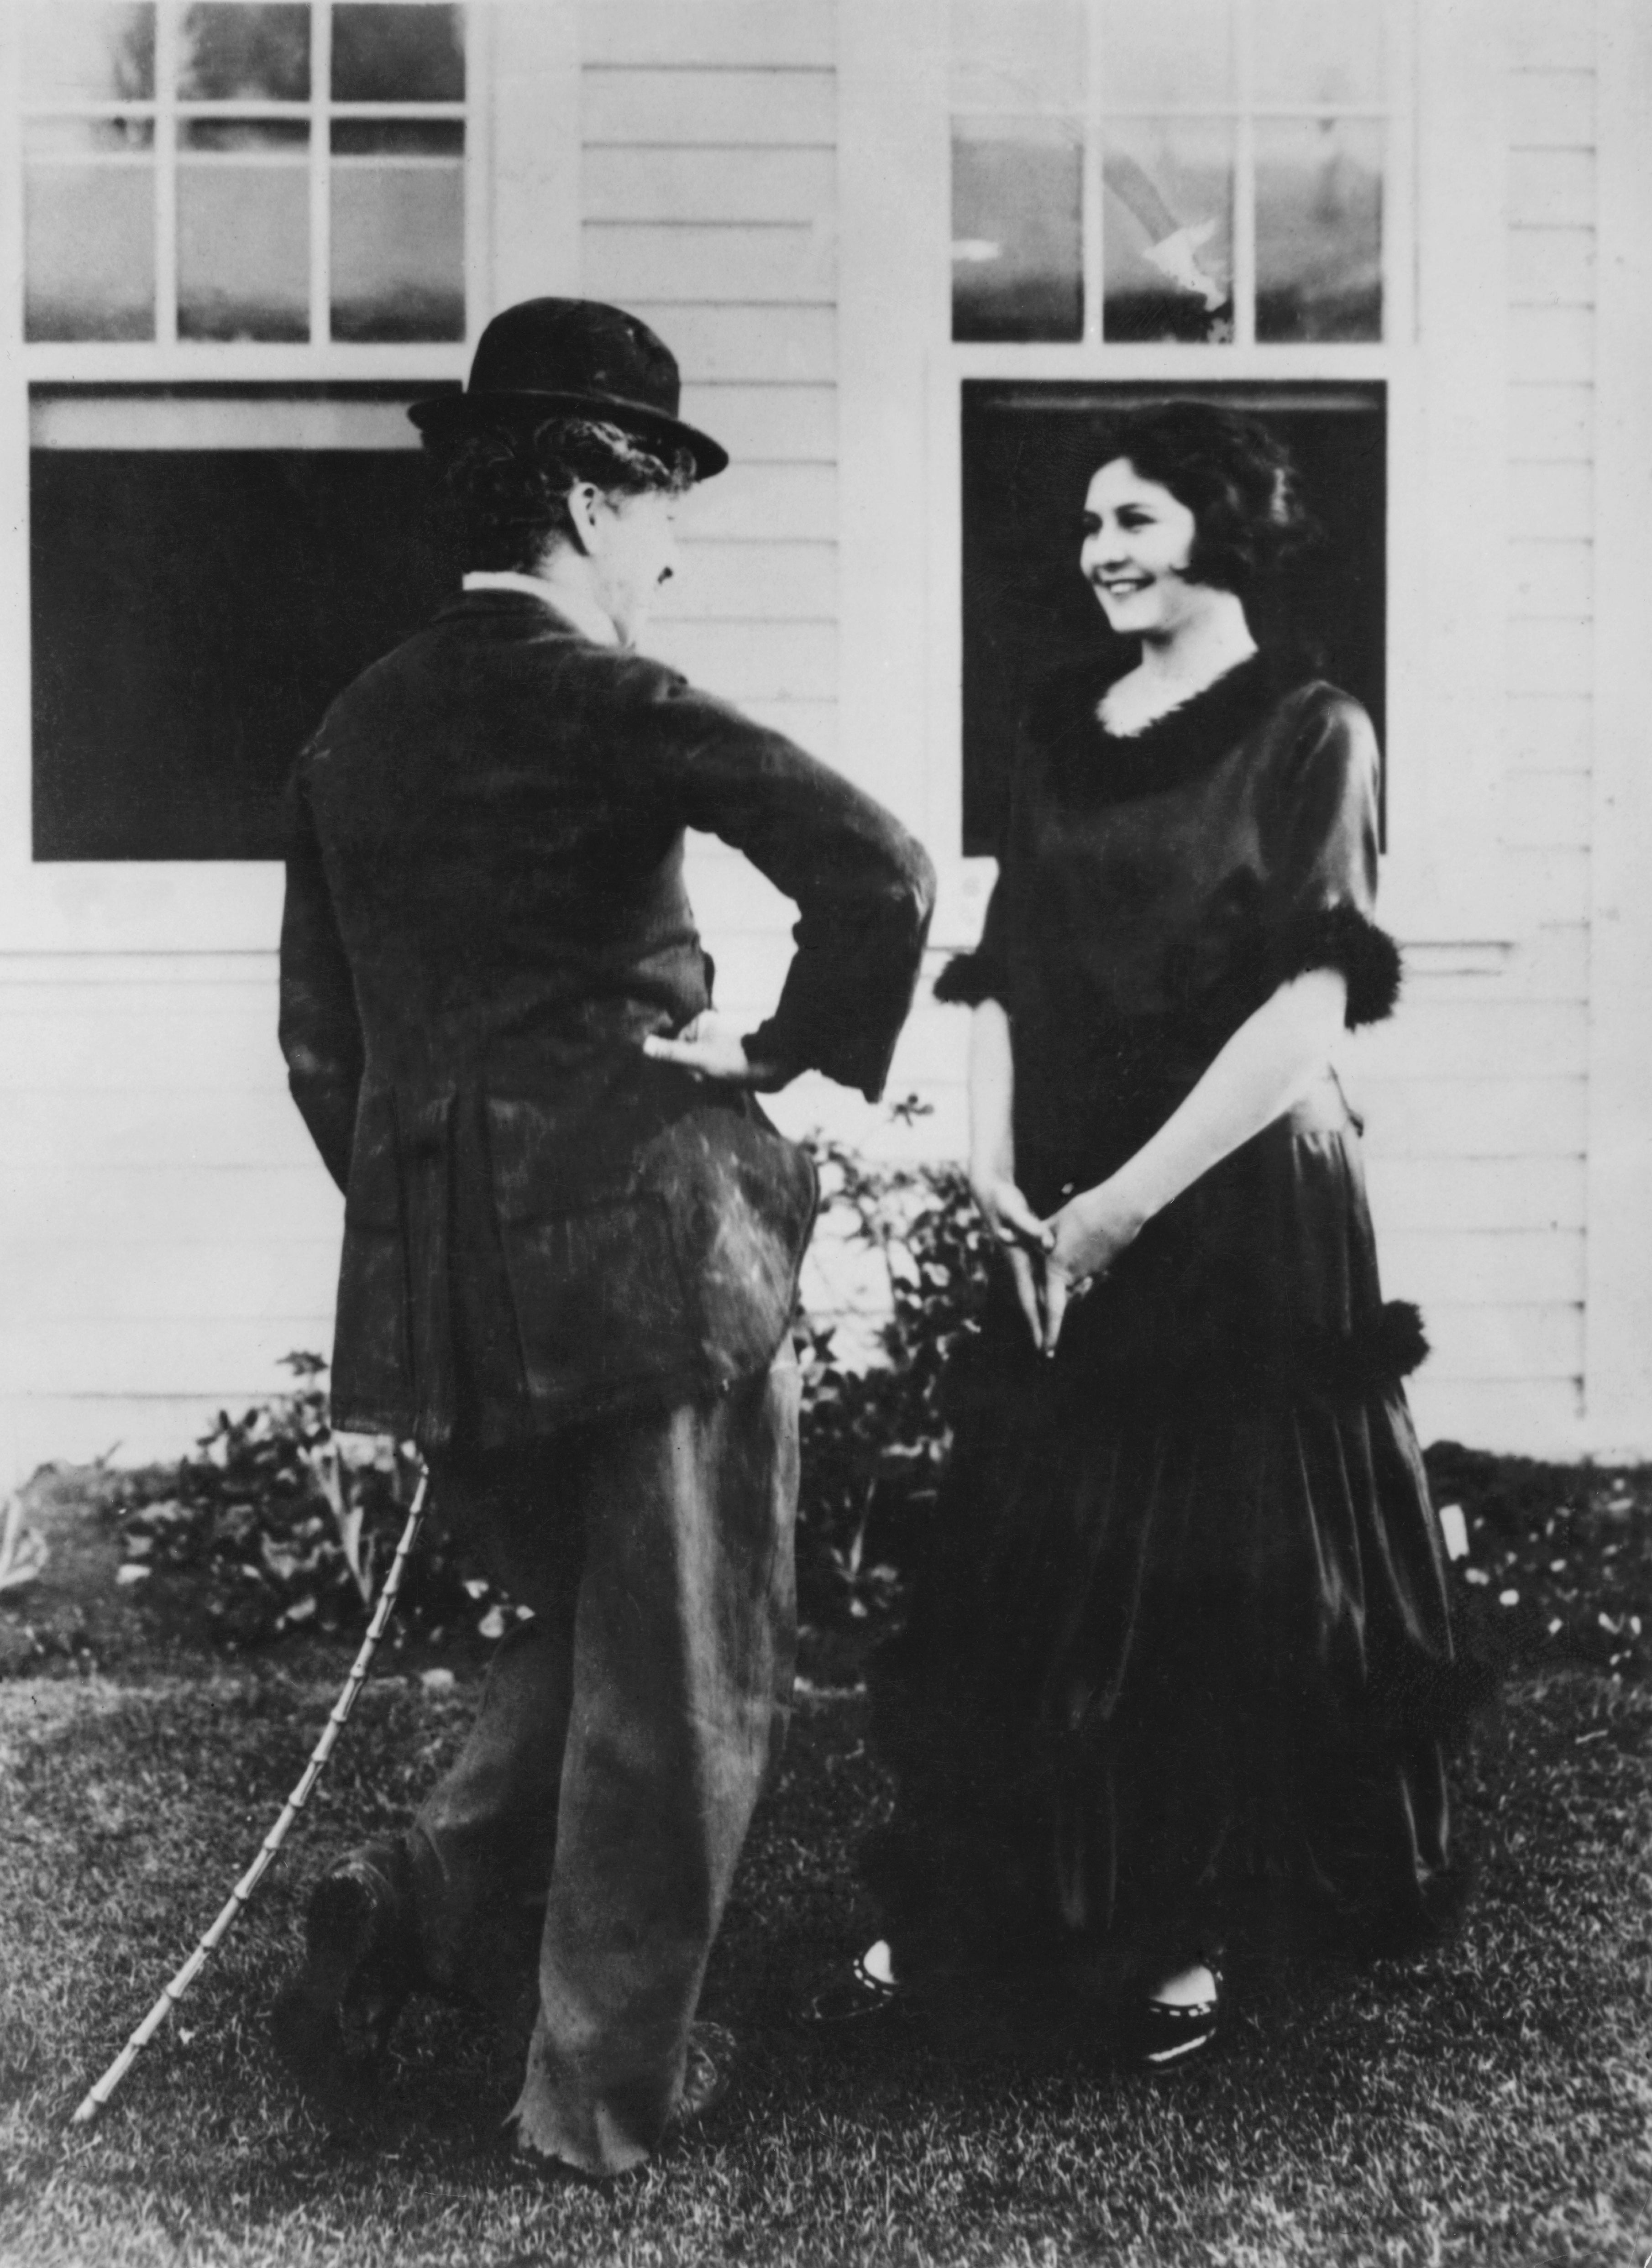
868	1990
1163	2035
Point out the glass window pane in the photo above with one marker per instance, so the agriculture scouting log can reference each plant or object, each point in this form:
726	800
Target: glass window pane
406	137
243	53
398	228
243	230
89	229
88	53
1319	228
1319	51
398	54
68	138
1167	229
270	137
1017	230
1017	55
1165	55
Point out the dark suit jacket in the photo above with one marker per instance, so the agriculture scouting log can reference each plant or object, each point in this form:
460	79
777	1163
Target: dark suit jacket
486	916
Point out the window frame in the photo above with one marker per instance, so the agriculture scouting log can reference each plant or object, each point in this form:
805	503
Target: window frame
521	236
1446	887
1396	113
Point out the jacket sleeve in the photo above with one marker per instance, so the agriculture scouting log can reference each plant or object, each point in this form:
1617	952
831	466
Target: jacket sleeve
864	888
320	1030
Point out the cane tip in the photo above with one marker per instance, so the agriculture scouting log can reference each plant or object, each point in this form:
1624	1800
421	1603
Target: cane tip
87	2112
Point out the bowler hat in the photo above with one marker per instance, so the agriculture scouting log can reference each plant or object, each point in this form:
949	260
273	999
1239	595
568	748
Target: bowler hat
543	356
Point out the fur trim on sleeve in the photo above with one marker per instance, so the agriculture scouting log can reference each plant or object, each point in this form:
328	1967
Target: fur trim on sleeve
1340	937
967	979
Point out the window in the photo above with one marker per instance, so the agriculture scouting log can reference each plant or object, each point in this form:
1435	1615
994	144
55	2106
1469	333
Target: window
240	172
245	243
209	567
1027	451
1157	198
1134	172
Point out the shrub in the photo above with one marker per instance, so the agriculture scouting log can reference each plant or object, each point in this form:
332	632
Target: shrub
875	1439
287	1525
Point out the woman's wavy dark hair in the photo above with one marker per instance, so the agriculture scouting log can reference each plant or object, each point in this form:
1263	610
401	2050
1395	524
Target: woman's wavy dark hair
1234	476
506	486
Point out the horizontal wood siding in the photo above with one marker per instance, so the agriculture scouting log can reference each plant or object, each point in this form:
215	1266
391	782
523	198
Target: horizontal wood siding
1479	1175
170	1233
710	168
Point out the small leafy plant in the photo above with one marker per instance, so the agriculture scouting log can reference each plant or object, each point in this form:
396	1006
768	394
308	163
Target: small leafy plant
287	1526
875	1439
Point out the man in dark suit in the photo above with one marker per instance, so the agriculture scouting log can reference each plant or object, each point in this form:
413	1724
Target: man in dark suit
571	1238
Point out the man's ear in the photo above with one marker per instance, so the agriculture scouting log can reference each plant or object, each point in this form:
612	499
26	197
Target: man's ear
584	501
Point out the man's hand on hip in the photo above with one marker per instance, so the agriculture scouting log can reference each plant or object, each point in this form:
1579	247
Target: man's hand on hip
710	1046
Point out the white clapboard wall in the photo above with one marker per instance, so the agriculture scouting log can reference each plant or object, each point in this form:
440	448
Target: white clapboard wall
1476	1095
709	191
169	1235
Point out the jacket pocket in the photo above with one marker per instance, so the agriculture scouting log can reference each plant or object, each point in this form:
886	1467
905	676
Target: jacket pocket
594	1275
742	1203
372	1366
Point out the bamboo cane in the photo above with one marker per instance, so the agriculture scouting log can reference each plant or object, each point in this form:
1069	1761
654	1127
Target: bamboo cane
238	1897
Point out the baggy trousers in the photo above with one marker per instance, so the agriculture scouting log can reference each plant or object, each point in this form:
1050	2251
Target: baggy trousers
622	1742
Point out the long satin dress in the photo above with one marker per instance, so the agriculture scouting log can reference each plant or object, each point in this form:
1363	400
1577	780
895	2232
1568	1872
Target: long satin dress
1179	1667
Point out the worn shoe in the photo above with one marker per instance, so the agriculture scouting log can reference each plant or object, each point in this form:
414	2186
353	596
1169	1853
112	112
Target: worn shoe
868	1990
1163	2035
708	2072
331	2021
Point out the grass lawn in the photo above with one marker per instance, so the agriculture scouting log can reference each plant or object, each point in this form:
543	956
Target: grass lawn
1487	2105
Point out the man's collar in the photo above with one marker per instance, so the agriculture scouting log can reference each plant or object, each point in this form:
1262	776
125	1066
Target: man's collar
583	614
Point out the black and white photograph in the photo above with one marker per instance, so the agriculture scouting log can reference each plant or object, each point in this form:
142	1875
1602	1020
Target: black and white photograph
826	1134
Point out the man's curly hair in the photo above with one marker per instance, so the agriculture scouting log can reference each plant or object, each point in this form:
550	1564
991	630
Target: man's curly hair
1234	476
506	486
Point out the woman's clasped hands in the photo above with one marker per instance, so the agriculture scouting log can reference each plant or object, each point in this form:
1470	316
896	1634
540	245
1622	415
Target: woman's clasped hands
1053	1263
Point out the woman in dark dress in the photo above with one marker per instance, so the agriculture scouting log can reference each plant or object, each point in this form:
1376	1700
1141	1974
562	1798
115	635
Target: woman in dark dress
1178	1666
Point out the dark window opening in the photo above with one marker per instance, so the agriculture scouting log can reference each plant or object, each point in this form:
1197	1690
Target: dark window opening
195	609
1029	449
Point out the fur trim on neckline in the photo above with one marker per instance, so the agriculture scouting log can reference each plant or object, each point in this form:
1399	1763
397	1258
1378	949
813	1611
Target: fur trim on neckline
1089	761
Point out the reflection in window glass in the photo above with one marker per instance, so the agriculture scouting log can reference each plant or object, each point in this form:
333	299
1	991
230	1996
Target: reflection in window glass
1318	51
397	54
243	229
1164	55
1017	230
1011	55
406	137
1319	228
243	53
1167	229
89	229
398	228
88	53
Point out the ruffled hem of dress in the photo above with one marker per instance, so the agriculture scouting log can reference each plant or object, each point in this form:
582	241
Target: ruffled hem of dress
954	1939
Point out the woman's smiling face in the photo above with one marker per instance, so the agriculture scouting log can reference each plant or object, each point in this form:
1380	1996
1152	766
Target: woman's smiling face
1138	540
